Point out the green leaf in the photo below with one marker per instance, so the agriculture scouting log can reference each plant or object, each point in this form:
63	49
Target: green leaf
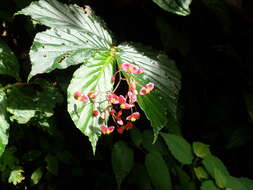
25	102
16	176
58	49
136	136
160	106
158	171
200	149
57	15
4	123
8	61
8	159
200	173
180	7
220	178
179	148
211	163
74	37
94	76
36	176
234	183
208	185
248	183
185	181
122	161
52	164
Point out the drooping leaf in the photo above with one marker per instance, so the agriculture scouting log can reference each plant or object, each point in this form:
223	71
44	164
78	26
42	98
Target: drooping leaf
36	176
180	7
136	136
158	171
179	148
122	161
94	76
208	185
185	181
4	124
160	106
200	149
76	34
220	178
8	61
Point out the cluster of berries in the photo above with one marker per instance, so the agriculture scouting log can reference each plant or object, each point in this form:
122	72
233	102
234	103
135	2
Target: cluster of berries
120	102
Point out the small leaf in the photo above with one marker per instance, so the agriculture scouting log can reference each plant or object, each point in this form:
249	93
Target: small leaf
200	149
36	176
8	61
52	164
136	136
220	178
200	173
160	106
4	123
211	163
122	161
94	76
16	176
158	171
180	7
179	148
208	185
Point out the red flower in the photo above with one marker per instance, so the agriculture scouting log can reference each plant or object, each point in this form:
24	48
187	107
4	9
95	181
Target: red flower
107	130
128	126
133	117
81	97
93	94
95	112
131	68
132	97
113	79
113	98
120	130
147	89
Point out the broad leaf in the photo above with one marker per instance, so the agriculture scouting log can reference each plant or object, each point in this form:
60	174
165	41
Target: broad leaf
52	164
57	15
94	76
208	185
4	124
248	183
75	36
180	7
158	171
122	161
136	136
61	48
234	183
8	61
160	106
179	148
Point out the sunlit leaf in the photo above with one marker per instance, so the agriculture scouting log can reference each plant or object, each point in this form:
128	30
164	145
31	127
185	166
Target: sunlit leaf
16	176
200	149
36	176
4	123
160	106
95	75
180	7
8	61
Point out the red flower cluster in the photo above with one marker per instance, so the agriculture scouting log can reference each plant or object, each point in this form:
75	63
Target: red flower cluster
118	106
